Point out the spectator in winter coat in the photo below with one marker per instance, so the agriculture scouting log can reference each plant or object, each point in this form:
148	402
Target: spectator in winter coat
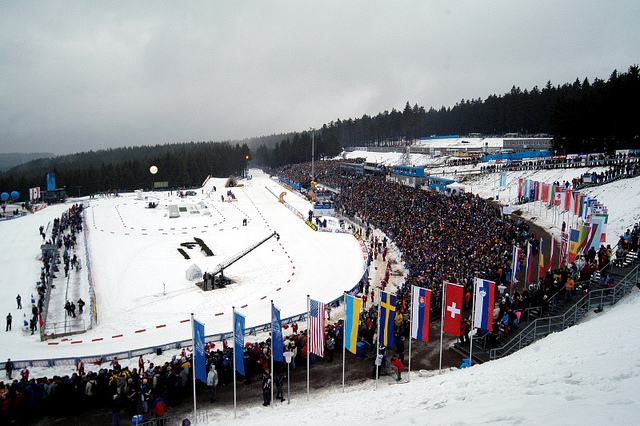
280	385
8	366
212	381
266	388
158	407
395	361
145	395
116	407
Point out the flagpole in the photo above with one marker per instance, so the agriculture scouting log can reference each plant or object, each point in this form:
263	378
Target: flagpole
473	321
411	332
193	367
444	291
272	376
344	337
308	323
233	319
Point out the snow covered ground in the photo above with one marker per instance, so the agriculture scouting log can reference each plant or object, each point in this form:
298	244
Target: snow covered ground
140	276
587	374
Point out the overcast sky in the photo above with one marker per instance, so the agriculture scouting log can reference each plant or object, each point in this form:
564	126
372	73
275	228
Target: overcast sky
80	76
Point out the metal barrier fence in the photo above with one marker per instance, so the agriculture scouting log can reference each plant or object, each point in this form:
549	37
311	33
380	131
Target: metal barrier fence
542	327
92	294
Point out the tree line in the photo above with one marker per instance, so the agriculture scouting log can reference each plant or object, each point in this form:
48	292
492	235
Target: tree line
127	169
583	116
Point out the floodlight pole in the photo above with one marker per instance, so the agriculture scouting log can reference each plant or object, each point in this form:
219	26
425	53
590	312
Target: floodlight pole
313	151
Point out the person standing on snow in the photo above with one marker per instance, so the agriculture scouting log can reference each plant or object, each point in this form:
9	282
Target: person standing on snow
212	381
266	388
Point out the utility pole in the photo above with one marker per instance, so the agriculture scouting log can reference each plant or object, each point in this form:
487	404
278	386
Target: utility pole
313	150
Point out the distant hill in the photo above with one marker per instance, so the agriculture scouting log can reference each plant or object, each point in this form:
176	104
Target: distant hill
8	161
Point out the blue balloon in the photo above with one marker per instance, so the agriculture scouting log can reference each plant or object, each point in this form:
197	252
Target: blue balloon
15	195
4	196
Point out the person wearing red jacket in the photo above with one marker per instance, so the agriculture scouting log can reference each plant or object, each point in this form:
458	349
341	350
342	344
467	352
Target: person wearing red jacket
158	407
397	363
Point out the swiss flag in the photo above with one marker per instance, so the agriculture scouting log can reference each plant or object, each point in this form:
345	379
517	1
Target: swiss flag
452	308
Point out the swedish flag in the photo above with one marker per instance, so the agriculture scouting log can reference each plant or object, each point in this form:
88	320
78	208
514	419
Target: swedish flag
386	319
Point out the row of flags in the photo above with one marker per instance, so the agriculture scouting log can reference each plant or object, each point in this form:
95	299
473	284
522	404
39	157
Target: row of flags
484	300
572	201
594	217
589	235
420	320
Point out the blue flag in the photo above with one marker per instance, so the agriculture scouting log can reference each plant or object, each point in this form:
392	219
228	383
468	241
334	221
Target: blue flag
238	342
199	359
276	334
387	318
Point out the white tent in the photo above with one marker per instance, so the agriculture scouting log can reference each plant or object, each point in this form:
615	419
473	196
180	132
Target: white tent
194	273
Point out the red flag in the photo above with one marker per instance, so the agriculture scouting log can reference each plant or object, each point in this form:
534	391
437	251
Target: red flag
520	186
550	261
452	308
567	200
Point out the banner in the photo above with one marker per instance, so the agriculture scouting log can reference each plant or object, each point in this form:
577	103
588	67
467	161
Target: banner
276	334
51	181
199	358
238	342
34	193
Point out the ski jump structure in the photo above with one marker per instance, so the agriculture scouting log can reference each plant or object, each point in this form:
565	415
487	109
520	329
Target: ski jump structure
220	281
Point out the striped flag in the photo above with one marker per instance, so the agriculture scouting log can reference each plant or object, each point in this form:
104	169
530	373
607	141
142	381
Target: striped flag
550	261
574	241
541	268
351	322
567	199
315	334
514	264
527	273
564	247
485	301
420	306
520	186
